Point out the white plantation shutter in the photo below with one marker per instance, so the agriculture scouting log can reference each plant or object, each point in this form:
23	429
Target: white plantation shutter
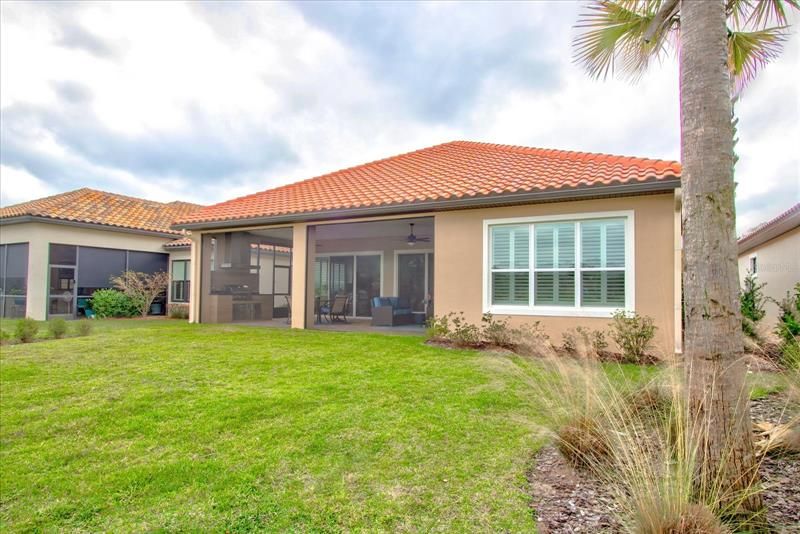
573	264
603	263
554	280
510	256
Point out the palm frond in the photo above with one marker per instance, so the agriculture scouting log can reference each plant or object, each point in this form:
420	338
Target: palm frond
739	11
611	37
765	12
749	52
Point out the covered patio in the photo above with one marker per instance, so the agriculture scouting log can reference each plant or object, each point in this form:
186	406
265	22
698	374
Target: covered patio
372	275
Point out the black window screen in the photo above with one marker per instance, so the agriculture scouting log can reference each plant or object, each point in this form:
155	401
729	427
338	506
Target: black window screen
13	279
63	254
147	262
96	266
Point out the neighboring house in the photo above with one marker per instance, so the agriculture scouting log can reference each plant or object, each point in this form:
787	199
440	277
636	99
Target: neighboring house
56	251
771	251
564	238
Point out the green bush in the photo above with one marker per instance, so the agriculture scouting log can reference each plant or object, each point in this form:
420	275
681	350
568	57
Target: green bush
83	327
438	328
789	328
789	319
57	328
113	303
464	333
633	333
751	303
496	332
26	330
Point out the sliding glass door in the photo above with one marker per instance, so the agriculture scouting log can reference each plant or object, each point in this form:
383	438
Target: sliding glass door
415	279
368	283
355	275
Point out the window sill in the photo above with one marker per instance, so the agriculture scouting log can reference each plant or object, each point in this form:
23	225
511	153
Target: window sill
552	311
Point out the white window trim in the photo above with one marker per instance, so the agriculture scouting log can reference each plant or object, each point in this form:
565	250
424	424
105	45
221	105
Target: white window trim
562	311
750	264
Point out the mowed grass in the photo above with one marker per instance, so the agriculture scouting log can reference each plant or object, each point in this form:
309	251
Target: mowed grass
162	425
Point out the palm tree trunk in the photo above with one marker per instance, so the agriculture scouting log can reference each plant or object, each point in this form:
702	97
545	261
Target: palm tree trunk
719	416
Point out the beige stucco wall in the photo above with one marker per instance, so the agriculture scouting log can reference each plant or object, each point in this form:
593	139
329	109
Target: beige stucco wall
778	267
459	262
39	235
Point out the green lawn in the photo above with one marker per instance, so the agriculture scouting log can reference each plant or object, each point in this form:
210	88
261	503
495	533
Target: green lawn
162	425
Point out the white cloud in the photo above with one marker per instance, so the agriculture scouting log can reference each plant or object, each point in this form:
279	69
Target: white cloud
18	185
206	101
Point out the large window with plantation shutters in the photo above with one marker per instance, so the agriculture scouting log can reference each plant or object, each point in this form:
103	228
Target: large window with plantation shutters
576	265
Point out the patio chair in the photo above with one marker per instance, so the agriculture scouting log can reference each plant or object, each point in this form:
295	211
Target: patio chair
339	308
288	309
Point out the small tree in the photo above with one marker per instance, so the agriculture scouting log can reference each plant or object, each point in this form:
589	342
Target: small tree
142	288
751	301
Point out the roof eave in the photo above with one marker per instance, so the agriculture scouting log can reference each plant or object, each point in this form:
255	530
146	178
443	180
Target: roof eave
19	219
665	184
768	233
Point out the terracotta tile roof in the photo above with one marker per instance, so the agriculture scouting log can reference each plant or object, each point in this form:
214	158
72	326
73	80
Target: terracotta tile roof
772	223
455	170
179	243
108	209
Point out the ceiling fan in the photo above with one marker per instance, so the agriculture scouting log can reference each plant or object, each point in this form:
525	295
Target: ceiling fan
412	239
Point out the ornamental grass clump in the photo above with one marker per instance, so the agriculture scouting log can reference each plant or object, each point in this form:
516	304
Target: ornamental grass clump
583	442
634	432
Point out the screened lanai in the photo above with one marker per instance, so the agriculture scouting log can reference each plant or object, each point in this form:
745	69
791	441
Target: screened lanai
382	271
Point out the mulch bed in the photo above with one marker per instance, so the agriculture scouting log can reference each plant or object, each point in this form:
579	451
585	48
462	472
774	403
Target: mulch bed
566	500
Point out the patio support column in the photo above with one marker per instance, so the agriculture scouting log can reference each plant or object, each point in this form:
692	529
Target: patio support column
299	274
311	256
38	278
195	266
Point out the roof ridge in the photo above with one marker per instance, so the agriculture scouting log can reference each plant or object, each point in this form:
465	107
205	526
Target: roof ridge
552	151
48	197
338	171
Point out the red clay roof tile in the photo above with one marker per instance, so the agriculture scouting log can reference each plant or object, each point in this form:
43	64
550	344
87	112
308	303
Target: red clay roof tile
457	169
108	209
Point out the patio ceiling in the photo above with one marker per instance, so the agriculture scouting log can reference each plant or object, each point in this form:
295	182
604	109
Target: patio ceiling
395	228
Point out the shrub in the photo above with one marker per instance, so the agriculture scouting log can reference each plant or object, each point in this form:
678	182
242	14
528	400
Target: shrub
113	303
583	443
57	328
438	328
142	288
464	333
496	332
633	333
751	303
179	311
789	328
26	330
83	327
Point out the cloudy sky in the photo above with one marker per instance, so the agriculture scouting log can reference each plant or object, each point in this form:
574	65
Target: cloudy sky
203	102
